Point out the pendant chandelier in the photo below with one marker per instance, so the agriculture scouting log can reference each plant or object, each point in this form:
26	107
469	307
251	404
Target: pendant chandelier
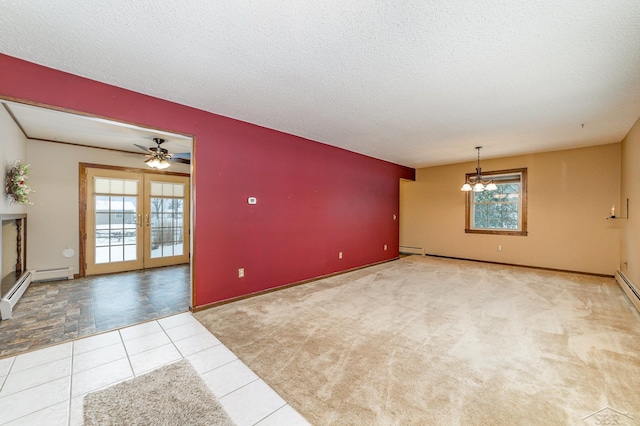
477	183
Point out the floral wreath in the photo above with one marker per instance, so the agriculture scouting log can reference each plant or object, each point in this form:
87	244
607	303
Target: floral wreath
16	187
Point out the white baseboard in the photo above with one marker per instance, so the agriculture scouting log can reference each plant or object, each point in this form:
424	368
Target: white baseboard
632	290
11	298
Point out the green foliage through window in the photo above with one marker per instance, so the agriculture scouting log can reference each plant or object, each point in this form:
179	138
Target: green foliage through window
497	209
503	211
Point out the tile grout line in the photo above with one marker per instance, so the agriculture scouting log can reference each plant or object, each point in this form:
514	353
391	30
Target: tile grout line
247	384
172	342
126	352
271	413
221	365
8	372
73	351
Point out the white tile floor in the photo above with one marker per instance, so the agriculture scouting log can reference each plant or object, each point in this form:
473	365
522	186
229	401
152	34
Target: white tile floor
48	386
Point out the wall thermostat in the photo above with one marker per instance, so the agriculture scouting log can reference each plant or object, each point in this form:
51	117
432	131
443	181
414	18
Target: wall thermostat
253	200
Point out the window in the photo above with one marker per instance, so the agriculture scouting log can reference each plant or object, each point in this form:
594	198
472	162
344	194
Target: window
503	211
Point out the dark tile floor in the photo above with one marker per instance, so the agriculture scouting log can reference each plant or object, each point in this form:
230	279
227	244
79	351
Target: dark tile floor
59	311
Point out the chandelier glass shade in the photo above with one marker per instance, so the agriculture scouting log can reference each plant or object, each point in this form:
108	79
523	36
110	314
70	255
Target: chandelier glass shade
477	183
158	161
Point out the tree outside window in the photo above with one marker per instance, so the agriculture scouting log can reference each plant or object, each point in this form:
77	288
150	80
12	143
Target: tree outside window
503	211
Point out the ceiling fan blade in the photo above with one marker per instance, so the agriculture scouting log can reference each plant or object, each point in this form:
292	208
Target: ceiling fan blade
144	148
181	160
183	155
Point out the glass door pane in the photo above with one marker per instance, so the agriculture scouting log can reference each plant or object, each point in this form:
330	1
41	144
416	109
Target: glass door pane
167	219
116	229
167	201
114	234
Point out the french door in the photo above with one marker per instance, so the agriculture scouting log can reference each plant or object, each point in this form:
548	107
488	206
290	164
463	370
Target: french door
135	220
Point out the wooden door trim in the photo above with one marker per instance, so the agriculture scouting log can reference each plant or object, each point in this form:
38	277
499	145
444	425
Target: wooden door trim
82	204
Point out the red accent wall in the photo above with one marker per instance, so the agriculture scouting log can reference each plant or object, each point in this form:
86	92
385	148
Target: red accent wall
313	200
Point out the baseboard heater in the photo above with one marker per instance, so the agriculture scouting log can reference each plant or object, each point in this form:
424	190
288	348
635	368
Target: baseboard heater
53	274
403	249
9	300
632	292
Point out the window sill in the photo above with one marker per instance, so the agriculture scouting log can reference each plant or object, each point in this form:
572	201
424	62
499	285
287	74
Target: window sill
495	232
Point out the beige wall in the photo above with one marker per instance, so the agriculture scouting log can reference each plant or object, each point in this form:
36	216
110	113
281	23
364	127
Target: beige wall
570	195
54	217
13	146
630	239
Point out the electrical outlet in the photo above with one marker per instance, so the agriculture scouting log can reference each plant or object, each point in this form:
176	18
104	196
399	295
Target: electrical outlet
339	255
241	273
385	246
499	248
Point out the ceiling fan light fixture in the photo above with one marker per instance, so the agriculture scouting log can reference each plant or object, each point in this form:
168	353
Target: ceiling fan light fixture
158	162
162	164
158	156
152	162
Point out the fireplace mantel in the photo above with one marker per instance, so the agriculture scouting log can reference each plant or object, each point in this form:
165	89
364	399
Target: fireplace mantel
12	216
20	220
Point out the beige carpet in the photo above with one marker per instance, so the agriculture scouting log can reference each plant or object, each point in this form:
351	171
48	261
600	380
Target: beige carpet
438	341
173	395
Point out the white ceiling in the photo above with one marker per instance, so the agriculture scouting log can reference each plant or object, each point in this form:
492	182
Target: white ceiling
417	82
57	126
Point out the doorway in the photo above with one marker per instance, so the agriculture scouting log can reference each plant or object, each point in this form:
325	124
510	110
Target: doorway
133	219
61	144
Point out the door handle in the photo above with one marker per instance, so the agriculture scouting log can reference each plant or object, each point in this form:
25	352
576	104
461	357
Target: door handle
147	219
140	220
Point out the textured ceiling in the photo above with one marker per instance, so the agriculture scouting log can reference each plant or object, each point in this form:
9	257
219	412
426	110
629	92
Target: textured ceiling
413	82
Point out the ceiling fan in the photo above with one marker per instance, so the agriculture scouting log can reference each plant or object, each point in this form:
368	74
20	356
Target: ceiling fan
159	157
